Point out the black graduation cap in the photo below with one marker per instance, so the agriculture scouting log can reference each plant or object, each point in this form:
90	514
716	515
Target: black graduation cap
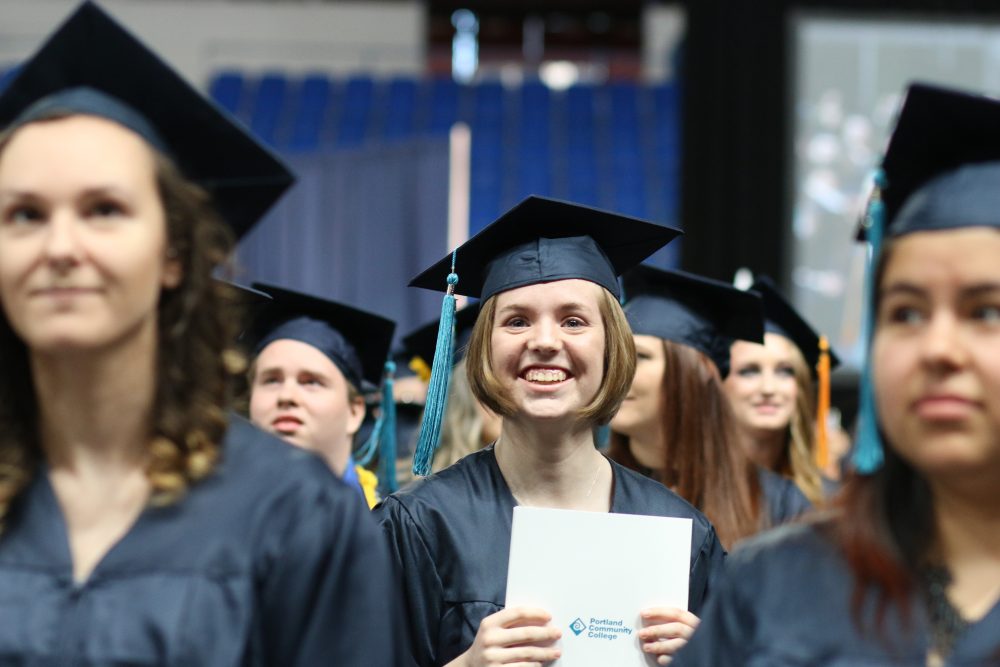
699	312
780	317
421	342
356	341
543	240
942	165
93	65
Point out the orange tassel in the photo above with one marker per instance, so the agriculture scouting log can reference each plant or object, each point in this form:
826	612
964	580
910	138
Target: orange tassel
822	403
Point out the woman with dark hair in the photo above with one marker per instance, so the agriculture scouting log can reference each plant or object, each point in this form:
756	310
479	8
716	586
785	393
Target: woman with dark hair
675	424
772	387
551	354
906	567
141	524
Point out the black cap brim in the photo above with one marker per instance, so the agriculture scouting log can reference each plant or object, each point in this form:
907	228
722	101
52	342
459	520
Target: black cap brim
780	317
692	310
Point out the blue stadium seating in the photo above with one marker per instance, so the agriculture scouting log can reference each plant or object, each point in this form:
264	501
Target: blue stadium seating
352	130
443	106
310	110
400	109
615	146
269	107
227	90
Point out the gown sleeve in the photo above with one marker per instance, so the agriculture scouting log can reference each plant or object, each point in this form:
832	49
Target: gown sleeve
725	630
706	570
422	589
327	595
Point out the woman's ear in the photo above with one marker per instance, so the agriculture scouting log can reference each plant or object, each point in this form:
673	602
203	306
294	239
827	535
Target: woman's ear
355	414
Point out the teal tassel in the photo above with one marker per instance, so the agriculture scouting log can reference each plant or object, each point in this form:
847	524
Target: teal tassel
437	389
383	435
387	446
868	452
367	451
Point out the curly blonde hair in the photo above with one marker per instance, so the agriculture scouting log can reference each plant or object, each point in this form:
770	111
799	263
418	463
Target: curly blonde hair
196	327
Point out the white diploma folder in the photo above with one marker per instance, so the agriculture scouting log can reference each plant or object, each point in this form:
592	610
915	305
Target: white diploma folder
594	572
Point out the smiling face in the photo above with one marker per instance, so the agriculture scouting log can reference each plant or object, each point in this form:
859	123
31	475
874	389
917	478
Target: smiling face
300	395
547	343
936	351
761	384
83	250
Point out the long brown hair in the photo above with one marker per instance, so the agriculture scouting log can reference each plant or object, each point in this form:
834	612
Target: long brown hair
196	328
703	462
885	521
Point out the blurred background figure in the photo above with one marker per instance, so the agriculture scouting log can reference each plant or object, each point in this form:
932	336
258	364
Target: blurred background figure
141	521
311	361
773	389
676	424
905	569
410	393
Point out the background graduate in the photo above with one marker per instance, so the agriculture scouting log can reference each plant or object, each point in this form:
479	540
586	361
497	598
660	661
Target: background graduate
552	354
312	361
907	569
772	390
675	423
141	524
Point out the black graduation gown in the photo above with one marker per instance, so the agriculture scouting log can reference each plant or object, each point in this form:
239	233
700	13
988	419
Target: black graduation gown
785	501
450	536
785	601
271	560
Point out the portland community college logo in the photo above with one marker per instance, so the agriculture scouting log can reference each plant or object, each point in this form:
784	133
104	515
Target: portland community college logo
577	626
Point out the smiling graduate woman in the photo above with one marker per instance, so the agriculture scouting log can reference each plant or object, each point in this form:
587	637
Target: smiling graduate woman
906	569
142	525
552	354
771	388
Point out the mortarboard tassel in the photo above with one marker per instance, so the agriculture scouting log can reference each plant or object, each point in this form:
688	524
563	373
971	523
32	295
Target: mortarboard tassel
822	403
387	444
868	453
437	390
367	451
383	435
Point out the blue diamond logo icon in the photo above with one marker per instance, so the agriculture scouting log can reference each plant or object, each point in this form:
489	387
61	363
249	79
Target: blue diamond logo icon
577	626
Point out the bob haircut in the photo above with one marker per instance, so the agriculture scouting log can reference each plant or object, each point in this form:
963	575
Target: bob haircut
196	328
619	363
